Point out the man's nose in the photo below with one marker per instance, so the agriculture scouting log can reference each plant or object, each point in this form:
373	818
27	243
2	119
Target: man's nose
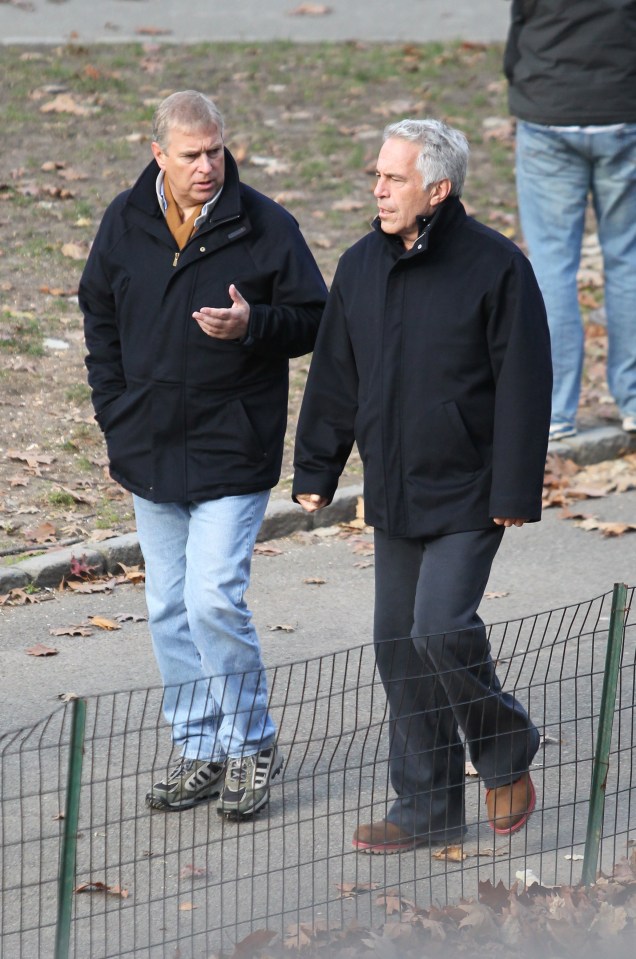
205	162
380	187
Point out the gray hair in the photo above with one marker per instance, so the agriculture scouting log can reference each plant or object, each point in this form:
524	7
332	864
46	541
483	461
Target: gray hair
443	151
186	110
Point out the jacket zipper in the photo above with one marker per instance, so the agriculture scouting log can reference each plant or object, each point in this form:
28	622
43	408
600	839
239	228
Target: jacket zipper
228	219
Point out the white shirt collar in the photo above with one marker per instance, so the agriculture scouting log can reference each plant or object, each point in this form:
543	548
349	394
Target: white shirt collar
163	203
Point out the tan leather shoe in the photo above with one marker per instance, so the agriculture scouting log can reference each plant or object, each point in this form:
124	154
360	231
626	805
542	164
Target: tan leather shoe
509	806
384	838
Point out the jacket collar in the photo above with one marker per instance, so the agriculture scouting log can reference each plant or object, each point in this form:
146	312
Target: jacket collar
431	229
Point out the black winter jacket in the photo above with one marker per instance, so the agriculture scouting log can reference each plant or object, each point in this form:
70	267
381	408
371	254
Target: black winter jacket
572	62
437	362
188	417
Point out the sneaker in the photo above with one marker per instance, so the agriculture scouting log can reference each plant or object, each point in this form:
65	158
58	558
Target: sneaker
561	431
191	781
629	423
247	780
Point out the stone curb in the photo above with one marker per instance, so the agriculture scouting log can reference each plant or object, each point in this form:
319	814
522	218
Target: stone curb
282	518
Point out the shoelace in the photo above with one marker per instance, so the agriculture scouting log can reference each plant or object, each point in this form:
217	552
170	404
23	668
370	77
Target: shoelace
183	766
238	770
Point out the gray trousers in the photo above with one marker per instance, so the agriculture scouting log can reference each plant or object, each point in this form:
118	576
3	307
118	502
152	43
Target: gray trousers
433	657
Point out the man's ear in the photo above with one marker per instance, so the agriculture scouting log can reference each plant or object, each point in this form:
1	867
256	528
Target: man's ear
440	191
158	154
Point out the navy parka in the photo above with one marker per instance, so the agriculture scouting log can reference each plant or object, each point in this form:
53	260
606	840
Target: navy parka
436	361
188	417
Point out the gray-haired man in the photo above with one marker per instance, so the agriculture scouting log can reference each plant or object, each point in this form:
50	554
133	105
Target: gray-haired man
434	356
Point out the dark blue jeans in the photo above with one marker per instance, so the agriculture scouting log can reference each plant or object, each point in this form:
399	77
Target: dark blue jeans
433	657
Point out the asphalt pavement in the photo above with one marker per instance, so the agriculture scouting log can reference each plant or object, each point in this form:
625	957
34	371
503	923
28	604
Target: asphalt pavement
542	566
181	21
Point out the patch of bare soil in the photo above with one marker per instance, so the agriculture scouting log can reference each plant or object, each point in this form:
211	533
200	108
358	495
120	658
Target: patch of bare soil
305	124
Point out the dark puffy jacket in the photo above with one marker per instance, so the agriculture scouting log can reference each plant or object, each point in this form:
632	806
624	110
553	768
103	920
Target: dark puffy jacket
188	417
572	62
437	362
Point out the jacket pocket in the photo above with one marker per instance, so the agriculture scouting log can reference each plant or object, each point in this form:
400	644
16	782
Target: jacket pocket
439	446
125	422
221	438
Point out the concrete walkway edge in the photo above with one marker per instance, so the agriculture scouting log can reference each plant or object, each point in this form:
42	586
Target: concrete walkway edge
283	517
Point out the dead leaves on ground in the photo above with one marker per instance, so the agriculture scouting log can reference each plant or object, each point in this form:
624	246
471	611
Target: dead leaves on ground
502	922
566	483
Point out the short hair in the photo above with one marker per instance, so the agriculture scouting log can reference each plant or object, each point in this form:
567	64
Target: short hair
186	110
443	150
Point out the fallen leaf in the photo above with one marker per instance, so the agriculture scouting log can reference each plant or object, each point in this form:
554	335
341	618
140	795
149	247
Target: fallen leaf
265	549
450	854
314	581
391	903
496	594
41	650
18	597
31	459
71	631
133	574
101	586
310	10
65	103
187	907
130	618
102	623
252	943
348	206
192	872
353	888
101	887
68	173
81	567
152	32
75	251
282	627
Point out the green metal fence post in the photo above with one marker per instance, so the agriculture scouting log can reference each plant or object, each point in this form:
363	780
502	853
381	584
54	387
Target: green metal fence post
69	839
604	735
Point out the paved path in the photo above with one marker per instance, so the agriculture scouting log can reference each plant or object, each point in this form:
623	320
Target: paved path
542	566
56	21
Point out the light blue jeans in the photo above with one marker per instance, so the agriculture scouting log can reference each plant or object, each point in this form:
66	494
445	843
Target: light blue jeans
556	173
198	558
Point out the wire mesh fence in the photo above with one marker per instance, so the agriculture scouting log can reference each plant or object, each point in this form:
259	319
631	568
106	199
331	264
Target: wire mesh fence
194	884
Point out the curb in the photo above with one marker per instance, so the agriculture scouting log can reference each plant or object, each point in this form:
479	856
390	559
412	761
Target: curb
283	517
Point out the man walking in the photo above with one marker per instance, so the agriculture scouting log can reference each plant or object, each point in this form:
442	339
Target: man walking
433	355
196	292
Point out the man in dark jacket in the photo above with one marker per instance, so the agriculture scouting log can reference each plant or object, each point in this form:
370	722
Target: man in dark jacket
571	69
433	355
196	292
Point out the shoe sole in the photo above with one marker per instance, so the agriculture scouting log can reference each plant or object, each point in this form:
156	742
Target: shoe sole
391	848
154	803
387	848
520	823
246	814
